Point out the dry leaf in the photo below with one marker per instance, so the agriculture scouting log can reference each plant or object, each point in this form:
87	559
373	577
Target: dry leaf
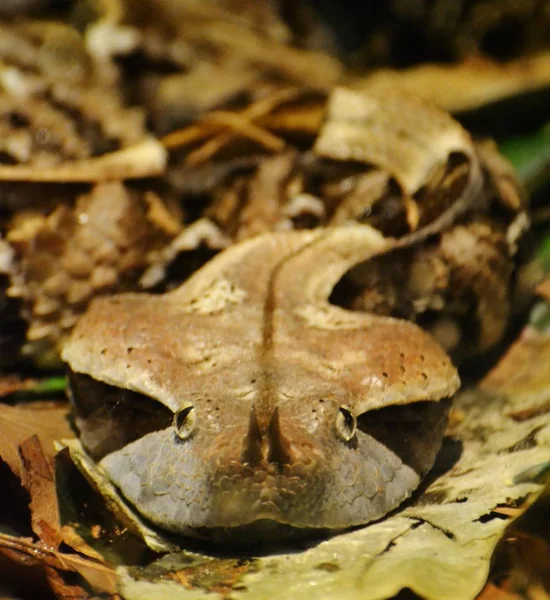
12	383
22	560
146	159
517	377
397	132
27	447
39	481
46	420
469	84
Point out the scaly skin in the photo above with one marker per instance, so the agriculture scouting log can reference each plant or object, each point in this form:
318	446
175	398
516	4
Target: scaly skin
266	364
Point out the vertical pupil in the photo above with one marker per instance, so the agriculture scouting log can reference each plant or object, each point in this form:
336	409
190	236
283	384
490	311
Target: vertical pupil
182	416
348	417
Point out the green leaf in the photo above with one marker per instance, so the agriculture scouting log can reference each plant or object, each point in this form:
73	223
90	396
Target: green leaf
50	385
530	155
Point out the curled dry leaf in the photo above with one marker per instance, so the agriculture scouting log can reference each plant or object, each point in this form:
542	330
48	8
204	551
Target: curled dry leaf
374	128
27	449
429	160
39	481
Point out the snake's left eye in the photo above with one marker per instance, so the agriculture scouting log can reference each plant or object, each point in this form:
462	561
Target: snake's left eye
346	423
184	422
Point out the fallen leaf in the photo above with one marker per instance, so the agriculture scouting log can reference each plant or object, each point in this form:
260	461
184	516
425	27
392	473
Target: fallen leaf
9	384
22	560
28	449
543	289
46	420
469	84
145	159
358	127
39	481
516	376
492	592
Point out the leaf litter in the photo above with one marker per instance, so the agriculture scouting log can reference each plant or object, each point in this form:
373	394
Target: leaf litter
39	557
496	453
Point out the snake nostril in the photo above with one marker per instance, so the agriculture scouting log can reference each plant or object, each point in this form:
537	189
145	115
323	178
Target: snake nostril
252	451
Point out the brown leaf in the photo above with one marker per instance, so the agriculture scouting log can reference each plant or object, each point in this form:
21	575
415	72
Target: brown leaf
13	383
361	127
146	159
39	481
543	289
27	448
46	420
266	195
492	592
470	84
516	377
24	559
73	539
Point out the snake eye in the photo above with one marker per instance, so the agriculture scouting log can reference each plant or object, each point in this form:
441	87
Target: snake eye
184	422
346	423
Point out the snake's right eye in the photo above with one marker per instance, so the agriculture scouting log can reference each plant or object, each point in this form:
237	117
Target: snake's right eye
185	421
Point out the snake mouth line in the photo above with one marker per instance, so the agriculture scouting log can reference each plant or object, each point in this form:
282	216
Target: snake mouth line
259	533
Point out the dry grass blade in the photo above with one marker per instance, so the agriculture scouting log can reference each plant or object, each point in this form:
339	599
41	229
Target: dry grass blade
212	126
238	126
146	159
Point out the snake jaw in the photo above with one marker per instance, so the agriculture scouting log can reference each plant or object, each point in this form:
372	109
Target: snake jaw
299	483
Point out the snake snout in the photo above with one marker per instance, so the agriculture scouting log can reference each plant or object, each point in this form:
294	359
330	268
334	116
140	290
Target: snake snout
271	446
269	472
